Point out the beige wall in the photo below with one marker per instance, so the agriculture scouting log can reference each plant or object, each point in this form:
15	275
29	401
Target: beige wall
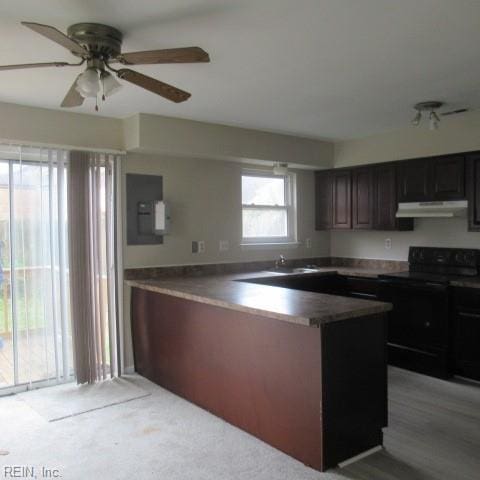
178	137
438	232
205	197
459	133
41	126
456	134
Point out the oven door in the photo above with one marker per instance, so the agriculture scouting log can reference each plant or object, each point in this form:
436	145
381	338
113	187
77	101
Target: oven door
418	326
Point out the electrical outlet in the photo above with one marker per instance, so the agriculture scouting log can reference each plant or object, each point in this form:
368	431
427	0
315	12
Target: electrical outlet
388	243
201	246
223	245
308	243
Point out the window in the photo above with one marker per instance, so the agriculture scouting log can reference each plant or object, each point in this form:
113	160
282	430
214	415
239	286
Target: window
268	208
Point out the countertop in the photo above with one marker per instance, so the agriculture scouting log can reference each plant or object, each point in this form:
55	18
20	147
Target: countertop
294	306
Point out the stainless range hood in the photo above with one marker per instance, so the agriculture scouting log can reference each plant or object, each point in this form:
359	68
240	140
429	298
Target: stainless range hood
432	209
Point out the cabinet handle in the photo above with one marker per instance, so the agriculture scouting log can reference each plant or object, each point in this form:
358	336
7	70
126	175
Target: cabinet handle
470	315
366	295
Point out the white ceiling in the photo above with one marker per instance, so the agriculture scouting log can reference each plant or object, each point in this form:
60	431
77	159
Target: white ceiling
318	68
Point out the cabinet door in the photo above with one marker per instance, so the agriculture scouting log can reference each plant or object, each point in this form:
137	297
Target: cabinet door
448	177
342	199
385	200
323	200
414	181
473	192
467	341
362	198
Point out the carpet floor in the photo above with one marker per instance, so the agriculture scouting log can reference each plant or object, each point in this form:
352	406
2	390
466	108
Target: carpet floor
434	434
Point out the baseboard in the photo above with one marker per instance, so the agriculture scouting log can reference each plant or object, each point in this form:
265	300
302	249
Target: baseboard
358	457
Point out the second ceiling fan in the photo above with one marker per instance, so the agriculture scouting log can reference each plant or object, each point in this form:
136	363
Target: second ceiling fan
99	46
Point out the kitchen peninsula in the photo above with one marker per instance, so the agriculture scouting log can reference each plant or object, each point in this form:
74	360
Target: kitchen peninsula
303	371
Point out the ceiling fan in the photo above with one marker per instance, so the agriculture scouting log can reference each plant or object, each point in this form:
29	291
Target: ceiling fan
99	46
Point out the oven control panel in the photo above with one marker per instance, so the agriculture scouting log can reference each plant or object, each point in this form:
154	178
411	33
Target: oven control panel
451	257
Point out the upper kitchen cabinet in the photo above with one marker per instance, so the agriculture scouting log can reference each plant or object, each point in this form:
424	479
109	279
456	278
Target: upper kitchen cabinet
362	198
414	180
342	199
473	191
448	174
385	200
323	200
432	179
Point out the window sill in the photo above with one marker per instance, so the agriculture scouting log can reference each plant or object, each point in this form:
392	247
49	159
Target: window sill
269	245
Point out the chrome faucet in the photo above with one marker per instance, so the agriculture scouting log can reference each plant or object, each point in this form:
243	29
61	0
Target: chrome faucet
281	261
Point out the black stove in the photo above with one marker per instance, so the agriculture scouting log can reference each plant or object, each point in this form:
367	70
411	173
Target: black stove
438	265
419	326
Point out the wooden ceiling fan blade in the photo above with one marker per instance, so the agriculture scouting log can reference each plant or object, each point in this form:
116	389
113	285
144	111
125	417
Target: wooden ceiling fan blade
35	65
171	55
153	85
72	98
56	36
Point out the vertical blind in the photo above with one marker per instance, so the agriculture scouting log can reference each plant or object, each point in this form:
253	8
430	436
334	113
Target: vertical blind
92	259
35	336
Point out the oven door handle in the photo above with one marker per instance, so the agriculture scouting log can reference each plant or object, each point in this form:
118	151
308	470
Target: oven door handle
440	287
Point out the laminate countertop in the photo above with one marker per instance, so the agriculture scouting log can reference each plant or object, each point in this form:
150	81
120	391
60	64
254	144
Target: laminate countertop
295	306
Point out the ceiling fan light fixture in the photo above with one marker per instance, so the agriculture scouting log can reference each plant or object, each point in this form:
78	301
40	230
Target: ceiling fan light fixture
429	108
109	84
88	83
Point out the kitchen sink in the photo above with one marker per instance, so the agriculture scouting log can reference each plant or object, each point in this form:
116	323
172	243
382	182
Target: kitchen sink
291	270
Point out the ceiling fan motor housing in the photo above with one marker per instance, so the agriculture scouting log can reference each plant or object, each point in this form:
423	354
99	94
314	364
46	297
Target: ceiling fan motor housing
102	41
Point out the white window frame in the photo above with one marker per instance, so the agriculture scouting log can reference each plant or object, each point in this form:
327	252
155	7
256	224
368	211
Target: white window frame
290	207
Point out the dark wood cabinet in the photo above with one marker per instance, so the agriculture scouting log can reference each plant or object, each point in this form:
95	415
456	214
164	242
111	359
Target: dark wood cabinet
359	198
367	197
467	332
385	200
323	200
473	192
448	175
414	180
362	198
431	179
342	199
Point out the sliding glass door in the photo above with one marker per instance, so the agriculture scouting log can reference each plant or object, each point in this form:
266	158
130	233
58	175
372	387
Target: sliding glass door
7	370
35	336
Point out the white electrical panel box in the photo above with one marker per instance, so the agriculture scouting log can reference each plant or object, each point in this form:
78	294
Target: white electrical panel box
161	218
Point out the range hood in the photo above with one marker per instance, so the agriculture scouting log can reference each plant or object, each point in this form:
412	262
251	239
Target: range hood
432	209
